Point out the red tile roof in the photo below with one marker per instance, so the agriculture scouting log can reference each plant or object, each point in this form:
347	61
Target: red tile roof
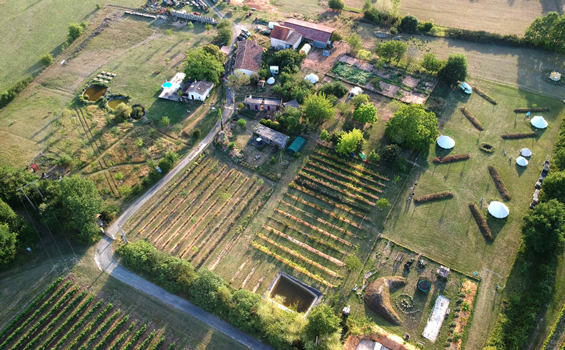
310	31
249	55
280	32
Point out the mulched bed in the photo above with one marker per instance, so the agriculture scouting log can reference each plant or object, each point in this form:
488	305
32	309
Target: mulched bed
433	197
536	109
485	96
476	123
453	158
481	221
500	186
487	147
519	135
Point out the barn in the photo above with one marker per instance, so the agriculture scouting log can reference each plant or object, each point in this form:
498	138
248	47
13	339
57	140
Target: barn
319	35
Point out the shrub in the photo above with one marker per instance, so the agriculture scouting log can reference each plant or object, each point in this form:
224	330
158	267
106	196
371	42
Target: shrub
431	63
454	70
391	153
434	197
241	123
165	121
374	157
476	123
271	124
383	203
485	96
47	59
500	186
519	135
352	263
481	222
325	135
393	31
425	27
196	133
336	4
336	88
122	112
10	94
409	24
453	158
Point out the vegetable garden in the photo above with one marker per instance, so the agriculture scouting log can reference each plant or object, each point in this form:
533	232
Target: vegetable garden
195	214
66	317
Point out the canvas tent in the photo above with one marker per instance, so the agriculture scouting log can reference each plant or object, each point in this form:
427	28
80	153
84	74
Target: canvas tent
313	78
539	122
498	210
445	142
521	161
525	152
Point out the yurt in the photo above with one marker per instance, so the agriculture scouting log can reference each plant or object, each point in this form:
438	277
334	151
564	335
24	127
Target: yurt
525	152
498	210
539	122
445	142
521	161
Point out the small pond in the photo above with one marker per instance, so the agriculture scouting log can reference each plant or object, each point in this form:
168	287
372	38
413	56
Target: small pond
116	102
94	92
294	293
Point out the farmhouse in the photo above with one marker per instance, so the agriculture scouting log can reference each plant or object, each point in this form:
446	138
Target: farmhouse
262	103
285	38
198	90
248	57
270	136
318	34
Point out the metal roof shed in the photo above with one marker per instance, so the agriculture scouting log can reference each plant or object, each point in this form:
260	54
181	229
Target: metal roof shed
296	145
271	136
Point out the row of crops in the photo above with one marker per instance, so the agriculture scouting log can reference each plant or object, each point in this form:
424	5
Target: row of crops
66	317
193	217
322	218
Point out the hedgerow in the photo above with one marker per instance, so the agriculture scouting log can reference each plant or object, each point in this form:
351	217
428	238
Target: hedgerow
481	222
451	159
434	197
499	183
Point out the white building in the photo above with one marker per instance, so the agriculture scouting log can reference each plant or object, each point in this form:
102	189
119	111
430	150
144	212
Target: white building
285	38
198	90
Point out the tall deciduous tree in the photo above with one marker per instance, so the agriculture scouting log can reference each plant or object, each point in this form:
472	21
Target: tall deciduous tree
317	108
392	50
238	79
554	186
366	113
7	244
548	32
288	59
204	63
543	227
350	142
355	42
324	326
455	69
413	127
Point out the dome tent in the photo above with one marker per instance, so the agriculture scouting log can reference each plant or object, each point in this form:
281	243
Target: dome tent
445	142
539	122
521	161
313	78
498	210
525	152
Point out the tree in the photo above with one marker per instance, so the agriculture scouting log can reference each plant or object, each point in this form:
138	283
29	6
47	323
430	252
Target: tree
336	36
364	54
238	79
367	5
196	133
47	59
7	244
366	113
225	32
349	142
392	50
336	4
205	64
454	70
289	120
322	322
431	63
289	59
352	263
335	88
543	227
281	328
554	187
539	32
355	42
75	30
360	99
122	112
293	87
82	203
243	314
383	203
242	123
209	292
325	135
408	24
413	127
317	109
374	157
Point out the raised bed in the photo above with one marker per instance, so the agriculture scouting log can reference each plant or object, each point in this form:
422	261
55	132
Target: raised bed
433	197
451	159
499	183
476	123
481	221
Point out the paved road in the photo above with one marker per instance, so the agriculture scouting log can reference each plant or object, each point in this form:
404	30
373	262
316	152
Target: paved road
105	260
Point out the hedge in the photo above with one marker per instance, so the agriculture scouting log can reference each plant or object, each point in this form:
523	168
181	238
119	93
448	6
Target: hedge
450	159
536	109
519	135
434	197
485	37
10	94
476	123
485	96
500	186
481	221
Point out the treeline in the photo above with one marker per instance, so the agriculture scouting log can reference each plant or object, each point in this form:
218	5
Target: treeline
10	94
243	309
543	240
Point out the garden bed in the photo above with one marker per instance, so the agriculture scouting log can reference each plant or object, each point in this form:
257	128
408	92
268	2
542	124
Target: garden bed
476	123
451	159
499	183
519	135
433	197
481	222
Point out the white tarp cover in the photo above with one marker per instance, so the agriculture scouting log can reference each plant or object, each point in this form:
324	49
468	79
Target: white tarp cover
498	210
539	122
436	318
466	87
521	161
525	152
313	78
271	81
445	142
355	91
